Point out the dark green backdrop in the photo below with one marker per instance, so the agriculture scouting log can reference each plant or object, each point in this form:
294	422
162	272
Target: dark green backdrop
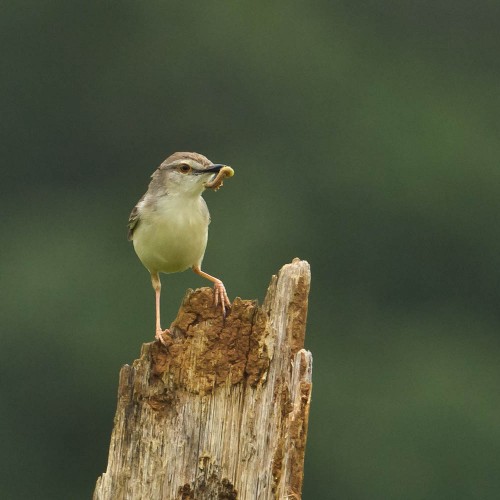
365	139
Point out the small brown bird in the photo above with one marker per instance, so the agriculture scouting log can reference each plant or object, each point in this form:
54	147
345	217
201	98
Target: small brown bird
169	224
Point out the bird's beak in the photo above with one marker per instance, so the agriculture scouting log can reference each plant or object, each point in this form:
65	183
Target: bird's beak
221	171
215	168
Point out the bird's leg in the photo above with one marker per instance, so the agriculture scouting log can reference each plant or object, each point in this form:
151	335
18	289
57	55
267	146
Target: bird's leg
220	294
155	280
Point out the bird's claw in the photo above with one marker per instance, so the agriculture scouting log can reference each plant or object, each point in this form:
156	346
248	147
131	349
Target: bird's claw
220	296
159	335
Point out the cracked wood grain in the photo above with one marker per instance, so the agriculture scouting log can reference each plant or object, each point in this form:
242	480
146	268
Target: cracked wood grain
221	411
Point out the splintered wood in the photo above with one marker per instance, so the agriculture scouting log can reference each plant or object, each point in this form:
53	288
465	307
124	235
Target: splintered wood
221	411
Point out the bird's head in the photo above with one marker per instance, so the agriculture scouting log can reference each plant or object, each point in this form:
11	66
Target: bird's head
188	174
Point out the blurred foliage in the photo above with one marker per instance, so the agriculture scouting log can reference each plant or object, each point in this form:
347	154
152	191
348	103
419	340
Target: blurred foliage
364	136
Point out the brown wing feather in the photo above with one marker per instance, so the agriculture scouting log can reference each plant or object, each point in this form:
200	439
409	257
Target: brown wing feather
133	220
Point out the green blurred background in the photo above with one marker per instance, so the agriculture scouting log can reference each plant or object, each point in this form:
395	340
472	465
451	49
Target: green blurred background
365	139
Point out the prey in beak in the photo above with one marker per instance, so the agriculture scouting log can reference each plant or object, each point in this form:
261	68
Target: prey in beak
221	172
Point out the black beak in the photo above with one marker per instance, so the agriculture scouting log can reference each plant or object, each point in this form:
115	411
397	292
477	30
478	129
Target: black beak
213	169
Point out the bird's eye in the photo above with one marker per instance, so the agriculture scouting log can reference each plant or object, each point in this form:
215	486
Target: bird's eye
185	169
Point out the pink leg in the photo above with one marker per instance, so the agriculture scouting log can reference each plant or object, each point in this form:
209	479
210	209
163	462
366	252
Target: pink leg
155	280
220	294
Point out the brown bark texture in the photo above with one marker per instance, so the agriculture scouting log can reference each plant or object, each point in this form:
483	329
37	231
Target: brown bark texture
221	412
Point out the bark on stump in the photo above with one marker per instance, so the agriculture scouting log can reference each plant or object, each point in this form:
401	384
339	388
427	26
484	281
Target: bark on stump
222	411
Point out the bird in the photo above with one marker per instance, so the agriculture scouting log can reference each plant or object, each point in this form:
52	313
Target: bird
169	224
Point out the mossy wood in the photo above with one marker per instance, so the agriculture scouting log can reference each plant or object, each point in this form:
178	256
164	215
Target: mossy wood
220	412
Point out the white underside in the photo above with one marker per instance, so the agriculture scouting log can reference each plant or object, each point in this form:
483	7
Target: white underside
173	237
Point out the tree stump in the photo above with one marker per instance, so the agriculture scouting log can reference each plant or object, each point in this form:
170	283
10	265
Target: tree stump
221	412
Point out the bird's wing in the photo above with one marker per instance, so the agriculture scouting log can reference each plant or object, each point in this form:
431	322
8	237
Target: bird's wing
134	219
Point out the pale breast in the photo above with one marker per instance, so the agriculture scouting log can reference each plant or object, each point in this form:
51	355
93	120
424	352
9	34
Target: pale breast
172	237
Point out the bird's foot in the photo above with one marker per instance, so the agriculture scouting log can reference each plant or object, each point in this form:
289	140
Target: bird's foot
160	333
220	296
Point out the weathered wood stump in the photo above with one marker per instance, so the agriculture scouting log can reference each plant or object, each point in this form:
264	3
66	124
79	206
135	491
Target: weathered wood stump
221	412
